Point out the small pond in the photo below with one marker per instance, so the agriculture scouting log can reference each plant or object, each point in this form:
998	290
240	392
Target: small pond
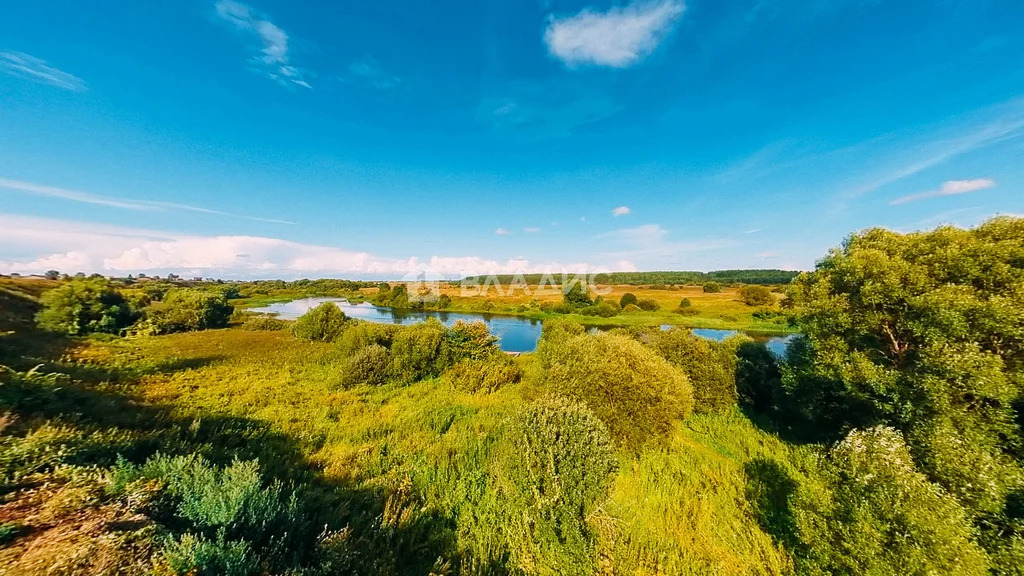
515	334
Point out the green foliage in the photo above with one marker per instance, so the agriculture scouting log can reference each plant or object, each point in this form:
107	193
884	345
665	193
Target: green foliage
186	310
417	349
758	377
260	323
685	303
648	304
709	366
357	335
484	375
468	341
602	309
83	307
322	324
555	465
923	332
630	308
756	296
197	555
576	294
554	329
369	365
884	517
712	287
627	299
635	392
444	302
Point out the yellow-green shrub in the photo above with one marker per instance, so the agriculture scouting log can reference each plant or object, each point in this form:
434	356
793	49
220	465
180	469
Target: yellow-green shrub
554	467
485	375
323	323
635	392
371	365
710	366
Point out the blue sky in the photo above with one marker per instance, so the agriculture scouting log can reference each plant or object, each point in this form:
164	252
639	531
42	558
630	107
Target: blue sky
278	139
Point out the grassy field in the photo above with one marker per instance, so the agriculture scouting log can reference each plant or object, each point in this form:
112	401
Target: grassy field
411	458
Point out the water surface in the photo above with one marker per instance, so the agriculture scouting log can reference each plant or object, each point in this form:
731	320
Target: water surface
514	333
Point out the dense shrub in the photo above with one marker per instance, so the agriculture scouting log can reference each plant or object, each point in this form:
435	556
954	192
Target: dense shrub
712	287
554	468
630	308
709	366
323	323
627	299
758	376
417	349
369	365
685	303
186	310
468	341
198	555
576	295
753	295
84	306
486	375
602	309
357	335
635	392
263	323
648	304
885	517
560	328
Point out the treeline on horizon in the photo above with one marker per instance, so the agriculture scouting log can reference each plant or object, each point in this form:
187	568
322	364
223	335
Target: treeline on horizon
760	276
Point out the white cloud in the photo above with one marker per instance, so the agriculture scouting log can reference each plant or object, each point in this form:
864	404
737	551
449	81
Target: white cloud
620	211
273	59
617	38
71	247
752	231
128	204
531	229
31	68
652	240
501	232
949	188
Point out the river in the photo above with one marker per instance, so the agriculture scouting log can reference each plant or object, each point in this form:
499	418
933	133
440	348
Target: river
515	334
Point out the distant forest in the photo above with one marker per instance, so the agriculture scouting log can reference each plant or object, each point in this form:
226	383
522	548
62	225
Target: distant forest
769	276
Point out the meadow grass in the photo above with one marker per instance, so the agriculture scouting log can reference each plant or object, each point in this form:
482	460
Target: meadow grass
677	507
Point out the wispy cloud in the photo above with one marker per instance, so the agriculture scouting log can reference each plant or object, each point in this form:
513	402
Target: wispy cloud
949	188
752	231
273	58
651	240
71	246
31	68
114	202
501	232
531	229
618	38
369	71
620	211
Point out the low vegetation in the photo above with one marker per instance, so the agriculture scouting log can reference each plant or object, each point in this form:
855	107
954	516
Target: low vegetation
135	439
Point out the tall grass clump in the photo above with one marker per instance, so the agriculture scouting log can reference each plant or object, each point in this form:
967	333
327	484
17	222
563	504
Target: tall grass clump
635	392
555	464
323	323
486	375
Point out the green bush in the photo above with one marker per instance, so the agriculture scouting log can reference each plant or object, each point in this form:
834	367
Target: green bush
370	365
263	323
712	288
417	349
753	295
885	517
357	335
648	304
468	341
323	323
758	376
685	303
576	294
196	555
485	375
555	464
630	308
83	307
627	299
186	310
560	328
635	392
602	309
709	366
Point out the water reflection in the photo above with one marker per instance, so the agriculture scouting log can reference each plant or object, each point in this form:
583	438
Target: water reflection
515	334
